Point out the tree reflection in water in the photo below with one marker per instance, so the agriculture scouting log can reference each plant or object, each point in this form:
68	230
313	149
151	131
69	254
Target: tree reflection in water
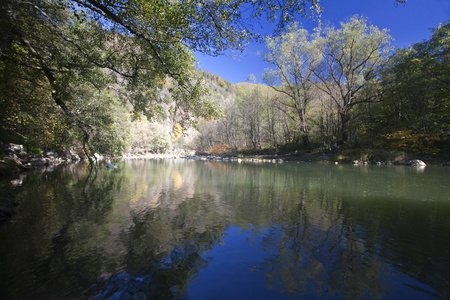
176	229
164	279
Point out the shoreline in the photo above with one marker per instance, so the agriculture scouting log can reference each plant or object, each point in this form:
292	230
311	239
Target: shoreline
331	158
13	166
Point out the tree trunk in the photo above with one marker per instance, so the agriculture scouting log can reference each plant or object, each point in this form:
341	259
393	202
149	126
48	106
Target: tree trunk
304	130
345	118
306	142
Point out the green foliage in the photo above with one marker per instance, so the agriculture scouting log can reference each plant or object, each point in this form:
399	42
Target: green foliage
415	112
28	115
409	141
148	137
71	71
399	104
294	58
353	56
78	51
316	80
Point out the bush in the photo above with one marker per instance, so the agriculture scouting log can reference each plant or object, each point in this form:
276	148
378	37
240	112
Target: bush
407	140
370	155
220	149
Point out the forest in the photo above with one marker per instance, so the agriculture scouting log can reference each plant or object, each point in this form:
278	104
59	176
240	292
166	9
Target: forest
116	77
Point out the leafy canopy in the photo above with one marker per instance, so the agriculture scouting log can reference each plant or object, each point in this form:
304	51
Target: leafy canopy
141	51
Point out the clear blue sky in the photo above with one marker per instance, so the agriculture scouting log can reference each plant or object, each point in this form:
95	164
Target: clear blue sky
408	24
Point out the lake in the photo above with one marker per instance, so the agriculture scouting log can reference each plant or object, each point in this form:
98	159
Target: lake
177	229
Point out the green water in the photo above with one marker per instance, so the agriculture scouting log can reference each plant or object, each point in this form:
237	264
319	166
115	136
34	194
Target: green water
175	229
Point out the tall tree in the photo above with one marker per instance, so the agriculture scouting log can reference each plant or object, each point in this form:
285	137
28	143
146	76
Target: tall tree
294	58
352	58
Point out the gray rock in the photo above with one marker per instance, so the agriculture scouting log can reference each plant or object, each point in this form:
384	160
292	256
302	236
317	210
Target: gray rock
14	147
16	182
22	155
51	154
416	163
75	157
38	162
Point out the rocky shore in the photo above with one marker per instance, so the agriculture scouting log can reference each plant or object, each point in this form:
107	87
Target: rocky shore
14	159
233	158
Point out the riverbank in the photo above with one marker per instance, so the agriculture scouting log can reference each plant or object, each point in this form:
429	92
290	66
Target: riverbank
353	156
364	156
15	160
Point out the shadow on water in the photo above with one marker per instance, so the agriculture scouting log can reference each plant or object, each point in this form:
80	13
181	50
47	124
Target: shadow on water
204	230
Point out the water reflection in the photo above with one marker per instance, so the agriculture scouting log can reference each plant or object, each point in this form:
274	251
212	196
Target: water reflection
204	230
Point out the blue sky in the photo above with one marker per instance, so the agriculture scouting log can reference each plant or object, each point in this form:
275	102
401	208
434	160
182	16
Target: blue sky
408	24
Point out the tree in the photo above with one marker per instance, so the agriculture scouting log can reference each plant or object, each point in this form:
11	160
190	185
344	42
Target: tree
28	115
251	109
231	124
352	58
135	45
294	59
414	113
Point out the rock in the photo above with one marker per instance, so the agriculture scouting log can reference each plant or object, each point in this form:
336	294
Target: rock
17	160
16	182
75	157
51	154
13	160
22	155
98	156
38	162
14	147
416	163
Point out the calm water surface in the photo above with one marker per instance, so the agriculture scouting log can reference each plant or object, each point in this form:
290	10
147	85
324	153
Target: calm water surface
175	229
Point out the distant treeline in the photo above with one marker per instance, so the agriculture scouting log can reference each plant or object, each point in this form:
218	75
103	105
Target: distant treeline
341	88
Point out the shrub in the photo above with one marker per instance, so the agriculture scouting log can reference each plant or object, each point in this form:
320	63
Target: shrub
220	149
